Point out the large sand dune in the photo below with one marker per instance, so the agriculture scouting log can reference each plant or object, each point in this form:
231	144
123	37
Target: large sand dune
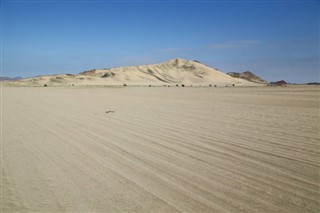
161	150
170	72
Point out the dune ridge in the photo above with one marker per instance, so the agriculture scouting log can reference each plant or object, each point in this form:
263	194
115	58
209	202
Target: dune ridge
174	71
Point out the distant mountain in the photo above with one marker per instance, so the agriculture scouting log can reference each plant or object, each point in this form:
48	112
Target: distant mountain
10	79
313	83
174	71
278	83
247	75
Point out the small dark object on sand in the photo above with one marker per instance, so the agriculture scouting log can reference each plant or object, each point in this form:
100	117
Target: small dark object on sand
109	111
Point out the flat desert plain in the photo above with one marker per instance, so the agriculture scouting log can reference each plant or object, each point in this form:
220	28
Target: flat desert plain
160	149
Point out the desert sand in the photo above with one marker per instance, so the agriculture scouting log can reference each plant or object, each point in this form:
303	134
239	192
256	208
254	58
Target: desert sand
160	149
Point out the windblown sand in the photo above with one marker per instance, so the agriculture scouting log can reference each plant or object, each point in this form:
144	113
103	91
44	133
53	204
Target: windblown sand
161	150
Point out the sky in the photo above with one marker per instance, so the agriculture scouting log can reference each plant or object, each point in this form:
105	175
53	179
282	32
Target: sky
274	39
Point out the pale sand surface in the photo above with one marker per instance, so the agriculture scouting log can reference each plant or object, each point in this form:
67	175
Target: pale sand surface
162	150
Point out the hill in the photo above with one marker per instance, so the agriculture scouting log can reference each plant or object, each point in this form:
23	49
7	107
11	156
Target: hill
279	83
174	71
9	79
247	75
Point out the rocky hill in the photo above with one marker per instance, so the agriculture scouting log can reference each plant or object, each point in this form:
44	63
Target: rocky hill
281	83
247	75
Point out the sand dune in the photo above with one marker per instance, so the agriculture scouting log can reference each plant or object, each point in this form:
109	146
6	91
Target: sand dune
161	150
171	72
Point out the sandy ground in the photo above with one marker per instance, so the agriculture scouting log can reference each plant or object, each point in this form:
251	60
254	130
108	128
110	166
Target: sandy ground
161	150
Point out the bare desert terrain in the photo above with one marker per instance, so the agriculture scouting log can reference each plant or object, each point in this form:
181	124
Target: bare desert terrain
172	72
160	149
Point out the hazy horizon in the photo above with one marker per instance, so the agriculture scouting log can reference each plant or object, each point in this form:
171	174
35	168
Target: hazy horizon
275	40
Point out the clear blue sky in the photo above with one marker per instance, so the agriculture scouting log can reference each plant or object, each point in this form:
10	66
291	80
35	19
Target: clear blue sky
274	39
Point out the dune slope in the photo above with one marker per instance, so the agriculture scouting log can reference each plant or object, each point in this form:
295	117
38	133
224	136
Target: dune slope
171	72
